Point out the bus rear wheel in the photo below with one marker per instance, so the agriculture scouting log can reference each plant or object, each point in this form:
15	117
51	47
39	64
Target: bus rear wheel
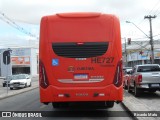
60	104
55	104
109	104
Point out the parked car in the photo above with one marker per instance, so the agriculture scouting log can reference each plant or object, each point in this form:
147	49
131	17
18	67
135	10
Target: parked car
127	68
20	81
126	77
144	78
6	80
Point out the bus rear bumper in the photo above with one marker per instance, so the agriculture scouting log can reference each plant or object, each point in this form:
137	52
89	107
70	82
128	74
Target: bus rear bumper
78	94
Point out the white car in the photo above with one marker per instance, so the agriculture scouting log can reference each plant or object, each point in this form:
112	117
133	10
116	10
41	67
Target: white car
6	81
20	81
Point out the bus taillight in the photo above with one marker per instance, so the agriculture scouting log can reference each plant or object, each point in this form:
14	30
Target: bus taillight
118	75
42	76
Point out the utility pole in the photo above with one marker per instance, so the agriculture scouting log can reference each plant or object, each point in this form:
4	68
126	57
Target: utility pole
126	52
151	36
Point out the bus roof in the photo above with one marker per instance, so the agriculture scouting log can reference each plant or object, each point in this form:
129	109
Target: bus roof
71	15
93	27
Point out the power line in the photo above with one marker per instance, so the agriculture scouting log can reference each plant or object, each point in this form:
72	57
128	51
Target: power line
155	7
13	24
150	12
145	37
142	38
157	13
139	38
156	35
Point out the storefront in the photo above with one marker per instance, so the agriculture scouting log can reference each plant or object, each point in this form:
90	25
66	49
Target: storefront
23	60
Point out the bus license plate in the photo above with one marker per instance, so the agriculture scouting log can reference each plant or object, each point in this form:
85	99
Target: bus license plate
155	85
81	76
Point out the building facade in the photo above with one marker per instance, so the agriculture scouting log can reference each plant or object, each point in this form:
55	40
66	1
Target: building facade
139	52
23	60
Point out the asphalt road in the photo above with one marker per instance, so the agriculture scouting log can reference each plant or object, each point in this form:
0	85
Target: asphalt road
29	101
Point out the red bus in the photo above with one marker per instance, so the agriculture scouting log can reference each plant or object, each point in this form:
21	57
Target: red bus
80	59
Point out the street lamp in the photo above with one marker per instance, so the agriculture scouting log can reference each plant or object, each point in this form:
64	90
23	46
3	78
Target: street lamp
138	28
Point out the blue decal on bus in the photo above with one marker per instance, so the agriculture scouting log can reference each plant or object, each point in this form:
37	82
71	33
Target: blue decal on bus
55	62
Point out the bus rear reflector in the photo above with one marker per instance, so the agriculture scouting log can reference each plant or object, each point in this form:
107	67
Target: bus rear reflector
80	43
44	83
118	75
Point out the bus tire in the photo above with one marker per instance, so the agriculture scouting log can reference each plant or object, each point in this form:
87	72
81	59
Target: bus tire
109	104
55	105
64	104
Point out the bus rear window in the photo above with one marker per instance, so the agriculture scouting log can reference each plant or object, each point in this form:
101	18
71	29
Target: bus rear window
80	50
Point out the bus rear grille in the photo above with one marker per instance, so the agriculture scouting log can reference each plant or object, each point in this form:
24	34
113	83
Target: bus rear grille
84	50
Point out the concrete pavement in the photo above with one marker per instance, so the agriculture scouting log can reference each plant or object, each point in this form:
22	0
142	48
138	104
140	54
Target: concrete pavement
138	107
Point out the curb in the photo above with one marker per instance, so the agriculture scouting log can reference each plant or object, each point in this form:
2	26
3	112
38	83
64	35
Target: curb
128	111
16	93
133	105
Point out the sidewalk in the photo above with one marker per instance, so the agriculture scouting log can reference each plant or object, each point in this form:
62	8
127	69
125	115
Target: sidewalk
136	107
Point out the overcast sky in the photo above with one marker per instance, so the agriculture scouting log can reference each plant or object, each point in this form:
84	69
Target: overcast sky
27	14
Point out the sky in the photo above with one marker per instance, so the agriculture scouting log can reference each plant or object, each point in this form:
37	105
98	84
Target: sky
27	15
